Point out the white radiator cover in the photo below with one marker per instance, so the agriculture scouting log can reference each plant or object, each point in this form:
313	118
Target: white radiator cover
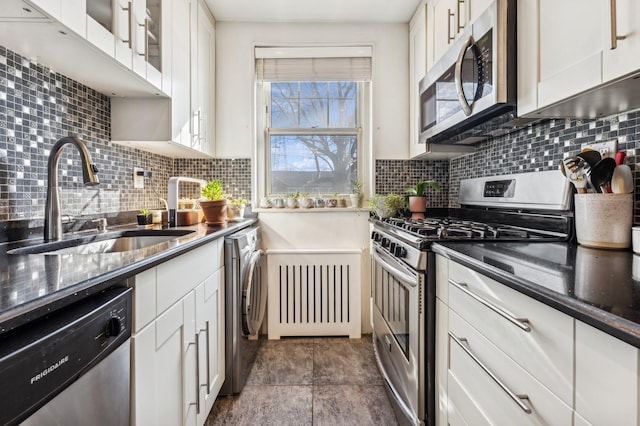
314	293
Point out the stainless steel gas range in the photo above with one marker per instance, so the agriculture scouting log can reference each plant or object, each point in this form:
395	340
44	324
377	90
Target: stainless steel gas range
532	207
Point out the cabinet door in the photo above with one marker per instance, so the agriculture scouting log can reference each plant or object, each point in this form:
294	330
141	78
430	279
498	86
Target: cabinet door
157	376
73	14
444	26
147	62
100	28
123	30
442	362
210	323
417	70
180	72
202	82
607	383
474	8
570	53
624	58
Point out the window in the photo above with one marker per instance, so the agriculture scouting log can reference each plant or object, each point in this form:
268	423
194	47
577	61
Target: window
313	136
313	120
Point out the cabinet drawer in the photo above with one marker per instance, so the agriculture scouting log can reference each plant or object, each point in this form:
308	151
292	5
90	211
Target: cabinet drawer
545	350
182	274
607	380
462	411
491	399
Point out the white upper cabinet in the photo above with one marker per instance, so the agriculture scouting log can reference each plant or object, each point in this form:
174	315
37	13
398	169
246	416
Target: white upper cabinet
570	47
147	37
446	20
417	71
183	126
100	32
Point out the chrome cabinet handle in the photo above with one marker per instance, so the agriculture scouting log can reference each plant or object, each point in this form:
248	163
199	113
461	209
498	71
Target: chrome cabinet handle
450	37
521	323
460	27
128	9
458	77
197	345
208	357
197	373
515	397
146	40
614	25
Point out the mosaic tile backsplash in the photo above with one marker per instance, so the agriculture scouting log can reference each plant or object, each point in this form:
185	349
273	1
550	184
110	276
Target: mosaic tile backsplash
38	107
538	147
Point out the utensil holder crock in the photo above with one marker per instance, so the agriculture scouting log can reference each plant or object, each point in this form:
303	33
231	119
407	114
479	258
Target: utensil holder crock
604	220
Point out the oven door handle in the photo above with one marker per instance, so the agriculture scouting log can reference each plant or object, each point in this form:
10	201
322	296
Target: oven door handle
398	271
458	76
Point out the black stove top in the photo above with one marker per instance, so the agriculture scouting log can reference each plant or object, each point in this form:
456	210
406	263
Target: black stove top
452	228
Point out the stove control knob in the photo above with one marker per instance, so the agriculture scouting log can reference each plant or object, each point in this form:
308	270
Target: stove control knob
392	247
385	242
376	236
400	251
113	327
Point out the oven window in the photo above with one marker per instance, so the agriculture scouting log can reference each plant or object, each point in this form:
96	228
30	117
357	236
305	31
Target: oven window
391	298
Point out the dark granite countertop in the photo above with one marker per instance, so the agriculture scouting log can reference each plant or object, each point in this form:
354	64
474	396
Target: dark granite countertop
34	284
598	287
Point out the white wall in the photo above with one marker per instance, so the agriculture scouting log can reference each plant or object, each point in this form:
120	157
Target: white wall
234	79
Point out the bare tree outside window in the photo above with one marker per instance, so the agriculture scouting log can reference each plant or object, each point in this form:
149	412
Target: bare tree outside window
313	136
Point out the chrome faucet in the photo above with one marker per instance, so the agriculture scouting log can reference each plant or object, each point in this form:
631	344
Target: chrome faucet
52	218
172	197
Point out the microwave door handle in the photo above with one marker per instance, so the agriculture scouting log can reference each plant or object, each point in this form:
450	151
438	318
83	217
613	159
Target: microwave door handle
458	77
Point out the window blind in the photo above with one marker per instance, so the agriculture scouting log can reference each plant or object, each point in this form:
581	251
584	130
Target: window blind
291	64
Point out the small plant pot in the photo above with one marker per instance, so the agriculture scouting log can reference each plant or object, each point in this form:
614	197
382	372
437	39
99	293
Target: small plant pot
235	212
292	203
306	203
342	202
215	212
319	202
356	200
332	202
144	219
417	206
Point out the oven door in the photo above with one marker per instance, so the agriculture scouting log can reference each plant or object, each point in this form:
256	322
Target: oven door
398	324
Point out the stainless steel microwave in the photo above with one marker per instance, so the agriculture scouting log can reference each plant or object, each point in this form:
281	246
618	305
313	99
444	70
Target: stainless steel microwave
469	95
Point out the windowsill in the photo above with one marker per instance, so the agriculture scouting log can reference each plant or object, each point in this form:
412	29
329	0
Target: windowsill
313	210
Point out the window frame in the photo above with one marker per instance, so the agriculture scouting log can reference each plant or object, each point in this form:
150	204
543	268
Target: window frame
263	99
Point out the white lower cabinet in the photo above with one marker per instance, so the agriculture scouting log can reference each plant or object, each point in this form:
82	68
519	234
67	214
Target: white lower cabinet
607	382
490	370
178	341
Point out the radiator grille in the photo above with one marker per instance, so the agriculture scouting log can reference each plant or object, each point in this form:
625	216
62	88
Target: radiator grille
314	293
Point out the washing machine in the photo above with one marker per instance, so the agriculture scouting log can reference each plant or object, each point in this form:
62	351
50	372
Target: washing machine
246	303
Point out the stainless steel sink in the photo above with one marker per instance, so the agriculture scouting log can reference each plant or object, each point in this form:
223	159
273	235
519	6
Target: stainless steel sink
109	242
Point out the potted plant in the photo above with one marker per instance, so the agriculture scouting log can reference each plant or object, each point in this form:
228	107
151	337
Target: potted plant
144	217
305	201
292	200
214	207
386	205
342	201
356	194
235	209
416	199
332	201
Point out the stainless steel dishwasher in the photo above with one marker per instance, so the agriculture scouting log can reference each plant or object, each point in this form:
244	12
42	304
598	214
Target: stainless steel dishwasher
246	303
70	367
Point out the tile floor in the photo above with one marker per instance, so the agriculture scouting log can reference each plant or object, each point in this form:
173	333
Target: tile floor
309	381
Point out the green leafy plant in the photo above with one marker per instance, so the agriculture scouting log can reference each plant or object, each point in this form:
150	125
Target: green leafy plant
421	187
237	201
357	187
386	205
145	212
213	191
